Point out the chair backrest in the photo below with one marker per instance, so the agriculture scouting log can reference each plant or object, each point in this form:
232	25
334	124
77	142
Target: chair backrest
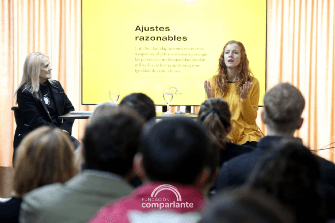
20	121
16	111
22	127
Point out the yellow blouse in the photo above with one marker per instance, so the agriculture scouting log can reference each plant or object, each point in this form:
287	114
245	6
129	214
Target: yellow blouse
243	112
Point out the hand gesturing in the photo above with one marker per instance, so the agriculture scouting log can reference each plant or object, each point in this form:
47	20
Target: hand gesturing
208	89
245	89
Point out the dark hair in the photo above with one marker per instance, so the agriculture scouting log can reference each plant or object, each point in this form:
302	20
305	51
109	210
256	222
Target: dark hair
141	103
111	141
176	150
247	206
216	121
290	174
45	156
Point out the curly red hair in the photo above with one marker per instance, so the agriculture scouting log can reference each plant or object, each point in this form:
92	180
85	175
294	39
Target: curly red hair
244	74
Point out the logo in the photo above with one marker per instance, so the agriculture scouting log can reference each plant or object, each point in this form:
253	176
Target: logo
156	201
166	187
175	91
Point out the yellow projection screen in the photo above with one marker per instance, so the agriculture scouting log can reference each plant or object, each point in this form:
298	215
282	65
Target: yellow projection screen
151	45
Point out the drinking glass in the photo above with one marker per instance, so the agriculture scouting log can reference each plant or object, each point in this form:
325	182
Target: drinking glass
114	95
179	112
168	96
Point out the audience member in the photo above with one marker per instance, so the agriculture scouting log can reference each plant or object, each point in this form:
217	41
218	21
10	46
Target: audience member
145	107
141	103
45	156
215	116
101	109
290	174
110	143
283	106
247	206
178	162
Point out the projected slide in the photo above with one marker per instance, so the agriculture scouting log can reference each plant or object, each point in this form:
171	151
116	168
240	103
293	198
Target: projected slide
152	45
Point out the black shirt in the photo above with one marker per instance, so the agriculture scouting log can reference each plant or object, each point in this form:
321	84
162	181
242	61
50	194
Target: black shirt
10	210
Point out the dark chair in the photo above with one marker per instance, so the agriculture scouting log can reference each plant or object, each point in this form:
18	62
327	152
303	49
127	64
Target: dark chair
21	126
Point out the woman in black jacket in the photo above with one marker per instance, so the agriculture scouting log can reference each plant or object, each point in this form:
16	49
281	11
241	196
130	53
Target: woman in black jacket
40	100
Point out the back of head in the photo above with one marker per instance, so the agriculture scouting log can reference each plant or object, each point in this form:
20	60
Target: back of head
111	141
45	156
290	174
141	103
103	109
247	206
283	106
215	116
176	150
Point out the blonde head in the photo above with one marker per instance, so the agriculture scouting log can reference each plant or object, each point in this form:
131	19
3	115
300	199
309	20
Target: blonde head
31	71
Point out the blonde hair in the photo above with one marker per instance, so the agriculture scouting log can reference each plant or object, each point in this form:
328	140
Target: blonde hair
45	156
31	71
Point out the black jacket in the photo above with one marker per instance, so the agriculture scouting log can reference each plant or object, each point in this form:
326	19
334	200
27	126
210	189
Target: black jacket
32	112
236	171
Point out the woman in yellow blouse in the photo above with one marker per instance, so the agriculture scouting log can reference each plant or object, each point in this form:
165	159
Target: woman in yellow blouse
235	83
